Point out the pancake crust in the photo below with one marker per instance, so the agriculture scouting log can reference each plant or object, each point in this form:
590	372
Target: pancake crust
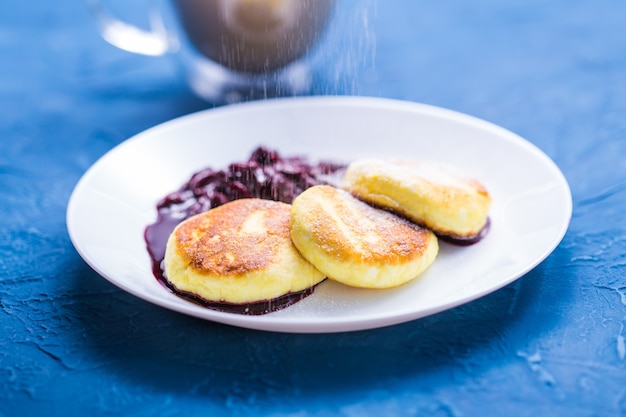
239	252
428	193
357	244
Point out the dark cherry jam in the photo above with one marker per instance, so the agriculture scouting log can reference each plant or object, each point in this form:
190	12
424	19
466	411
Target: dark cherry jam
264	175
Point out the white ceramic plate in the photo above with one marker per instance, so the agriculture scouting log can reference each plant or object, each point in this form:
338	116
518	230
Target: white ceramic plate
115	200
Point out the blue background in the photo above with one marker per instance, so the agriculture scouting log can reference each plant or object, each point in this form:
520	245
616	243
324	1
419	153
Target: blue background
552	343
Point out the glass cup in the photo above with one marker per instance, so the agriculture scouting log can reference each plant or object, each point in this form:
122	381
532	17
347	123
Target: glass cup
231	50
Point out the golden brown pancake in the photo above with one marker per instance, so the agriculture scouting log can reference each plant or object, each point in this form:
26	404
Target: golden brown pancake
431	194
357	244
240	252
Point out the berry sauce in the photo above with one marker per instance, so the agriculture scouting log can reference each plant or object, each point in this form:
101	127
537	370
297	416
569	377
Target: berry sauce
264	175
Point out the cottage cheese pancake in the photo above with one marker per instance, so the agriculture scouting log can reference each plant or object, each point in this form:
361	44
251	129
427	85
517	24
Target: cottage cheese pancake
240	252
357	244
431	194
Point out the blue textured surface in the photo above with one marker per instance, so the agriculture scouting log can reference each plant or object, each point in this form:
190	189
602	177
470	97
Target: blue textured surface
552	343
